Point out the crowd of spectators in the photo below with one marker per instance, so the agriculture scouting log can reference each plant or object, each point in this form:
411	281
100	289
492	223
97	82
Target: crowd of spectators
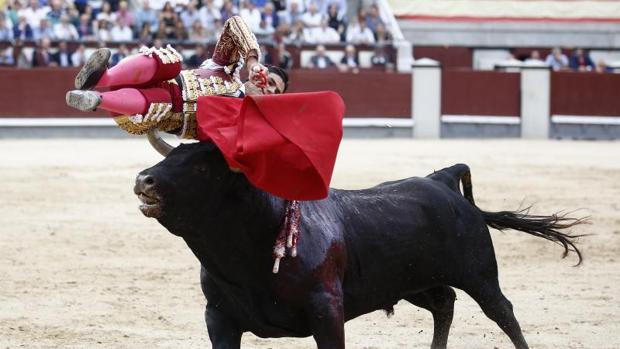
50	22
579	60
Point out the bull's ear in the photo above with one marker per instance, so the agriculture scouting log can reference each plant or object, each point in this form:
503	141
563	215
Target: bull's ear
158	143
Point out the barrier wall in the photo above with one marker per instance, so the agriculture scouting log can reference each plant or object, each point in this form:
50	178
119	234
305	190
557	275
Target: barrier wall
467	92
585	94
467	97
41	92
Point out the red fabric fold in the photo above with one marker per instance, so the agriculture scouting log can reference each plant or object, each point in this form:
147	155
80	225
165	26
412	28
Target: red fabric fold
284	144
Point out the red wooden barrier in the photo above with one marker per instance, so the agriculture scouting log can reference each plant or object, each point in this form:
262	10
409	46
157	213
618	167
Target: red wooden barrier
585	94
449	57
468	92
41	92
37	92
367	94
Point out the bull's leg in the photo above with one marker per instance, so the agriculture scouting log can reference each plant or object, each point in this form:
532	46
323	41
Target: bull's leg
499	309
326	317
440	302
223	331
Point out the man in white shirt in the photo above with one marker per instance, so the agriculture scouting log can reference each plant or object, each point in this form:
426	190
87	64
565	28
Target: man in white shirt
312	18
65	30
251	15
209	12
323	34
359	33
34	13
190	15
121	32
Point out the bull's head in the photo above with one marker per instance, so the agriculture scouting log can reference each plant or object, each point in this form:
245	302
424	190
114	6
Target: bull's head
190	185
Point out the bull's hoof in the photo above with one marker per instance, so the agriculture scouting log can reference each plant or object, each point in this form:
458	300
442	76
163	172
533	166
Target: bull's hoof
91	72
83	100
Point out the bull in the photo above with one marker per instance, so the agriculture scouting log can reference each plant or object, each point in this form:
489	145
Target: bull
361	250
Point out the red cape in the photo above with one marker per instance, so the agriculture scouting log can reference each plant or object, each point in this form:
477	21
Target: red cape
284	144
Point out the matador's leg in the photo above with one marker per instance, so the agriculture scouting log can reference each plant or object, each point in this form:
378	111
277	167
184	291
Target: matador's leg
124	101
149	67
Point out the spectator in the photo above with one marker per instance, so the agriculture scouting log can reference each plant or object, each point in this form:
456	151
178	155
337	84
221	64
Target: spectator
119	55
79	57
6	33
251	15
6	56
382	35
167	22
62	57
312	18
64	30
349	61
228	10
335	20
22	29
557	60
190	15
285	59
209	13
200	55
323	34
321	5
379	59
180	33
198	33
218	27
269	16
299	33
534	58
602	67
121	31
293	13
34	13
146	15
102	30
124	14
43	30
359	33
320	60
581	61
264	31
373	18
106	13
11	13
85	28
41	56
55	13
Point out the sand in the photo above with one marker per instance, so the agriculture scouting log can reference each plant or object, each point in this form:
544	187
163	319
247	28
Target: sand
80	267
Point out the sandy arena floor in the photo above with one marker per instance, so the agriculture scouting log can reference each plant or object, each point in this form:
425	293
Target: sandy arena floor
80	267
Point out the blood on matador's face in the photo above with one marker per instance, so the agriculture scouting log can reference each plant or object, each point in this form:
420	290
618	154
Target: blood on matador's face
275	85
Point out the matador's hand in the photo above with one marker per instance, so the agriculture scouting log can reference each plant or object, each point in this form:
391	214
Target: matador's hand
258	75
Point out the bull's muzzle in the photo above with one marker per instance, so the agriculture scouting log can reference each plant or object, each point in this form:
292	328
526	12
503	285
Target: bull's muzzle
145	189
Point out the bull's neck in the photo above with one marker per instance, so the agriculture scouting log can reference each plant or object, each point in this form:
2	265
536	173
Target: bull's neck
238	243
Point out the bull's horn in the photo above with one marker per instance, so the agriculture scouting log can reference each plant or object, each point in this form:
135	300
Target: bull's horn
158	143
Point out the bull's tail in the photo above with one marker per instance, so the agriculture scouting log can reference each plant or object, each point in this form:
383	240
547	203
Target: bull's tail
546	227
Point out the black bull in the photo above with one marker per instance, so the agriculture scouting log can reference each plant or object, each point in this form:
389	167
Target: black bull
359	250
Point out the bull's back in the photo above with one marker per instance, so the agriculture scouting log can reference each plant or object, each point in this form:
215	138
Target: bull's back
401	236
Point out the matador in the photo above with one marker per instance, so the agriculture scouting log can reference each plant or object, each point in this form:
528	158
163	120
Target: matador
285	144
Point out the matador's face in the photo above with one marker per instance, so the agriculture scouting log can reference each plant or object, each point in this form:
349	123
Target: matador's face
275	85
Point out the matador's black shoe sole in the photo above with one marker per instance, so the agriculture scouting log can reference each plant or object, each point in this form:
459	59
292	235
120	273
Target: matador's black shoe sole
92	71
83	100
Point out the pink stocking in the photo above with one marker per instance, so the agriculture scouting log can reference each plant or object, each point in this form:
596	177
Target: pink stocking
139	70
131	101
